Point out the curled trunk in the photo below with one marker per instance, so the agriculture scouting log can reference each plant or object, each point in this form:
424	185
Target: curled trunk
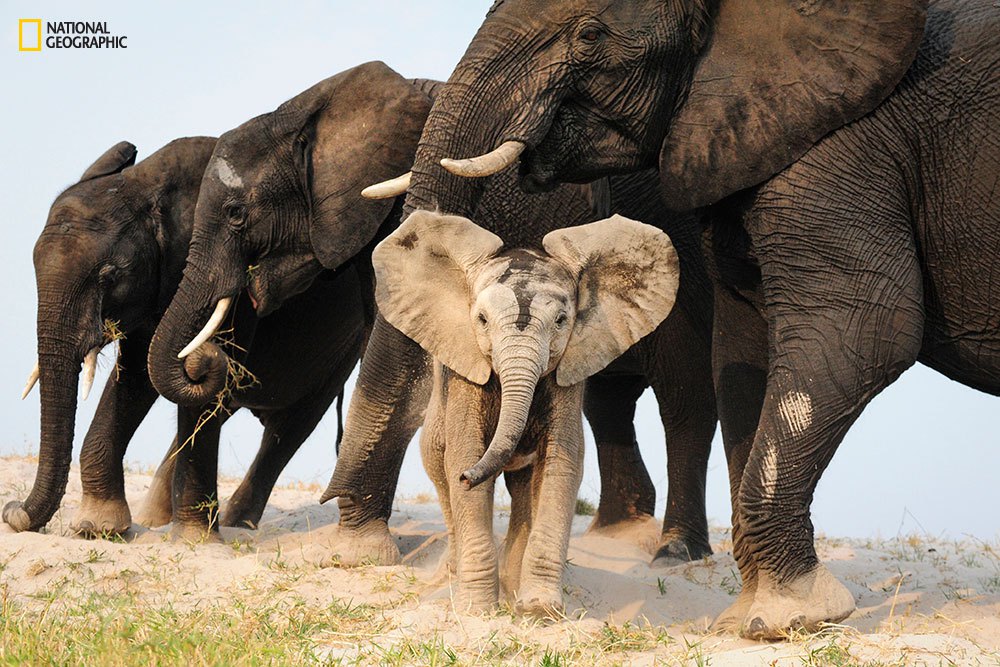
518	368
201	375
59	367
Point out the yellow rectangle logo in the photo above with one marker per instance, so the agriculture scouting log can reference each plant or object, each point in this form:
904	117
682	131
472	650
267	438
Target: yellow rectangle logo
29	35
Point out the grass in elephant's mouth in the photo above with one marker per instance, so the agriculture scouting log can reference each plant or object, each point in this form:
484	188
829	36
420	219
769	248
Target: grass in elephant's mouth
238	378
113	334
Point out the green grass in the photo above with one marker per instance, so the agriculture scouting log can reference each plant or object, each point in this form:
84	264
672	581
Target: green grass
119	630
585	507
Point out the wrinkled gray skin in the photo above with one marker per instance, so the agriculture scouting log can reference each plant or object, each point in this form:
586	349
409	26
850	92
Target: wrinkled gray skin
514	333
279	205
113	249
854	220
253	211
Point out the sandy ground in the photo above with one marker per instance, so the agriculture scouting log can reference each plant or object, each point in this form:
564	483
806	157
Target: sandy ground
920	600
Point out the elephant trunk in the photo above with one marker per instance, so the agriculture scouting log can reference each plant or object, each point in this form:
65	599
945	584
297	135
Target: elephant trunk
519	366
59	371
198	377
455	129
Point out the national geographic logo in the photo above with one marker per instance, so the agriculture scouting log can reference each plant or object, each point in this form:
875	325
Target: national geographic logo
67	35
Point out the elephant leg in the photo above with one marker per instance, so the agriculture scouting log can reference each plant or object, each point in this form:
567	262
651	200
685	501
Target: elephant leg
843	291
556	479
471	508
681	376
284	432
519	487
157	507
739	369
627	492
125	402
432	445
386	410
195	492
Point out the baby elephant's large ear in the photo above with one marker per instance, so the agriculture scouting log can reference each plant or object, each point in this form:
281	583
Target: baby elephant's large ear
628	275
423	289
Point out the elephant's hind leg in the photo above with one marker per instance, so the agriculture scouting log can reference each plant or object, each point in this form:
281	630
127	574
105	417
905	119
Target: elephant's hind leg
628	496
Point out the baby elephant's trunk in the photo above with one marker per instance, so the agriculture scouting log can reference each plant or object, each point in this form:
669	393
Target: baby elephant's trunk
519	365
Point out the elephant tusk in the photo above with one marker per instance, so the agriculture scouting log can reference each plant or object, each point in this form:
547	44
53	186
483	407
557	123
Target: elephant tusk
388	189
32	381
214	321
486	165
89	370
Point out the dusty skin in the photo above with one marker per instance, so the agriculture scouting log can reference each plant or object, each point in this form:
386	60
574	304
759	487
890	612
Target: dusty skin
920	600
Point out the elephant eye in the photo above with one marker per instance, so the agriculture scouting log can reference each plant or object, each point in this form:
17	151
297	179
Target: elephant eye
482	319
108	275
590	35
562	320
237	215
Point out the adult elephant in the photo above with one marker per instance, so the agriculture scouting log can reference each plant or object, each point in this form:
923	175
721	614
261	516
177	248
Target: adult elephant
853	196
107	264
283	193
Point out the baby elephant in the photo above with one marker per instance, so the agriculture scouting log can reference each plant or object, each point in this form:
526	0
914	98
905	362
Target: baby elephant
514	333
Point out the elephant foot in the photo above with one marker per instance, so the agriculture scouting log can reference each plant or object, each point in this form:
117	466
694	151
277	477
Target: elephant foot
240	517
541	602
476	601
732	619
193	533
157	508
371	545
98	517
806	604
675	549
15	516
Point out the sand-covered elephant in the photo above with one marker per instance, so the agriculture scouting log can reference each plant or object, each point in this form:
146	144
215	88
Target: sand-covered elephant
848	153
107	264
515	332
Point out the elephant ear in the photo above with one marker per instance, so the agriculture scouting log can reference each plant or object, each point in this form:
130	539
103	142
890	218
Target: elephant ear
628	274
364	127
116	158
774	78
422	286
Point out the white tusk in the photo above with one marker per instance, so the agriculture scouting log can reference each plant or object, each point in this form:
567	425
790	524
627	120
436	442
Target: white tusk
486	165
214	321
388	189
89	369
32	380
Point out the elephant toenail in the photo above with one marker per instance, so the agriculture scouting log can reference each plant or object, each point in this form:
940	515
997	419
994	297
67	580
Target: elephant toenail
756	629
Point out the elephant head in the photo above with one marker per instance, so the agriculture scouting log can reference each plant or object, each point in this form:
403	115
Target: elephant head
280	202
479	309
719	94
111	250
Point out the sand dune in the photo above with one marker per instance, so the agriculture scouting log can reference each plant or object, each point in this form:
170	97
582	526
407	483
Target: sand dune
920	600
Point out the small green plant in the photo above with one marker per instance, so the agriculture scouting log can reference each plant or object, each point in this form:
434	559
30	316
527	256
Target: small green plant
661	585
585	508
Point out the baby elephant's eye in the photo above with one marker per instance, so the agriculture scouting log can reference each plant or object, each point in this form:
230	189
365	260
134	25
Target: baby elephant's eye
482	319
561	320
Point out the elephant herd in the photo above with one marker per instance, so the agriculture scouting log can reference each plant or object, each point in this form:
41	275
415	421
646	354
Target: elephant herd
818	185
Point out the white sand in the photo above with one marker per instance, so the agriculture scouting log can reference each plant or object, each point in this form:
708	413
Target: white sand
920	600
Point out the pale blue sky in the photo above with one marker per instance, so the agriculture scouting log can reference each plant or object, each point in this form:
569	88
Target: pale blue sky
922	457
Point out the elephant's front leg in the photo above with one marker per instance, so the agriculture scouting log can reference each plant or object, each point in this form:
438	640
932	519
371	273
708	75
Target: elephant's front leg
557	477
125	402
386	409
196	465
843	292
739	361
471	509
